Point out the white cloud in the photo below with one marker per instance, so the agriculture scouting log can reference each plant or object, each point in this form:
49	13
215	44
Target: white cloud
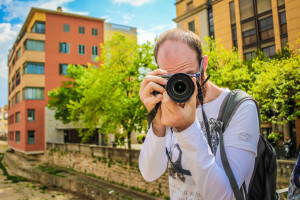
151	33
127	17
8	34
106	17
132	2
20	9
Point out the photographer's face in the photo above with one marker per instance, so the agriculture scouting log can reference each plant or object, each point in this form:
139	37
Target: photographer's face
177	57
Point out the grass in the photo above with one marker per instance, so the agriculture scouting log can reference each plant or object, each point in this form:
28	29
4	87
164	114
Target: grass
50	170
14	179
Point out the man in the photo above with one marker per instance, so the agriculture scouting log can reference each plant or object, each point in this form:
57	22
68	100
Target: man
180	129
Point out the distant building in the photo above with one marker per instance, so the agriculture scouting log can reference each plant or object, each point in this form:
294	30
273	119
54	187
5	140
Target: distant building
110	29
3	121
245	24
48	41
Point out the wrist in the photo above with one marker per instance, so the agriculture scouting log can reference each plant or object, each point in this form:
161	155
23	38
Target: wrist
184	127
158	129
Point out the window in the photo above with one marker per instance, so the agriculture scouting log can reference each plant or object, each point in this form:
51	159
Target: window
64	47
18	99
246	9
17	136
269	51
280	2
192	26
81	49
63	69
189	6
31	137
33	68
38	27
211	23
248	33
94	53
30	115
12	101
249	55
284	42
19	53
18	117
66	28
18	77
34	45
33	93
94	31
81	30
232	12
282	22
13	83
263	6
234	37
265	27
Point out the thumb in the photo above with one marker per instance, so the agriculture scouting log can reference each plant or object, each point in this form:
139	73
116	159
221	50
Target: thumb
192	101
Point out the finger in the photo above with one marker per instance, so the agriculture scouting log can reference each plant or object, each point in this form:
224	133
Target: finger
152	101
192	101
158	72
151	78
150	88
172	106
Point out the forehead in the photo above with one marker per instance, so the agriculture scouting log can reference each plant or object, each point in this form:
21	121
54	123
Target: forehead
177	56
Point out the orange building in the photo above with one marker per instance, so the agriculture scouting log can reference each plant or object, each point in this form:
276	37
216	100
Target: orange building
47	43
248	25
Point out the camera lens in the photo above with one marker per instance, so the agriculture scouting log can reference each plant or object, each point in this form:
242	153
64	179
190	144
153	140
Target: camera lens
180	87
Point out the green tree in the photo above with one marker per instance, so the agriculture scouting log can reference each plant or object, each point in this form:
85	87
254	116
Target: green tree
108	96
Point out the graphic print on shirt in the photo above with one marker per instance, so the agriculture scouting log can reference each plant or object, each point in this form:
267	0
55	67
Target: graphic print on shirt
214	135
176	153
172	171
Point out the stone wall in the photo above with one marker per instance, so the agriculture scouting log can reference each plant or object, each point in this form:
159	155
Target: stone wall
118	166
121	165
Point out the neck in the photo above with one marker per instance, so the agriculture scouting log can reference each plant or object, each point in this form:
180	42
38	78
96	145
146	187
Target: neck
212	92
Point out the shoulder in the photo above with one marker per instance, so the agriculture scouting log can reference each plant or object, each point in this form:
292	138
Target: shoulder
243	129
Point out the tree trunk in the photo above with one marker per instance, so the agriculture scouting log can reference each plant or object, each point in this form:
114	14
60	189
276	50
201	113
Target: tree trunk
128	139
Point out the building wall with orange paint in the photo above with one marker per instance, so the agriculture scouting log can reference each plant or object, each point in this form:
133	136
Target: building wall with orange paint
55	35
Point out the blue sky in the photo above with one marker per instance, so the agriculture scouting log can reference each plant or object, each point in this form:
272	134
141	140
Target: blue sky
150	17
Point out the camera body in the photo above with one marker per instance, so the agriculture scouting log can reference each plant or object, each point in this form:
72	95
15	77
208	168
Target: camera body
180	86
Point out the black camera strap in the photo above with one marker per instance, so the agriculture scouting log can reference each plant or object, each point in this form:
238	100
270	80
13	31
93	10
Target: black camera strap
200	97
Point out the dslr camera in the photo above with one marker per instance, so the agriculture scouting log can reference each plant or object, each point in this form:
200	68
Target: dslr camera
180	87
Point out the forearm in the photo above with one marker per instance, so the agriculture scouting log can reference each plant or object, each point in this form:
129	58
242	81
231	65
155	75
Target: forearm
153	159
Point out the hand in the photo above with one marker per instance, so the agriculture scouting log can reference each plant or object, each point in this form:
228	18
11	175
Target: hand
178	115
151	83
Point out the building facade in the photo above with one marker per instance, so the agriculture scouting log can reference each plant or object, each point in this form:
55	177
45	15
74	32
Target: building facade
248	25
110	29
3	121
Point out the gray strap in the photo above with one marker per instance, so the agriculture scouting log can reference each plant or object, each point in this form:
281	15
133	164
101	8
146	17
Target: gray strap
235	188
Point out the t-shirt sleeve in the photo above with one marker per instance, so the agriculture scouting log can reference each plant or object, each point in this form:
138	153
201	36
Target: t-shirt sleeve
243	129
153	159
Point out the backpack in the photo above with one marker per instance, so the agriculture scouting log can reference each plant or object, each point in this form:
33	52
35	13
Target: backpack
263	180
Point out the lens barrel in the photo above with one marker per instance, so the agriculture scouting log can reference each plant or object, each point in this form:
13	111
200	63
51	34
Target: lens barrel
180	87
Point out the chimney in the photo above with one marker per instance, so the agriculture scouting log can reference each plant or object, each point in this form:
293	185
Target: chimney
59	9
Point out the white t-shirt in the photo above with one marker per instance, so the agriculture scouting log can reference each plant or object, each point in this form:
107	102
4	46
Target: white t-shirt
190	151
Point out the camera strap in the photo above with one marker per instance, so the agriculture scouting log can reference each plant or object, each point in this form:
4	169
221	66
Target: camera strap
200	97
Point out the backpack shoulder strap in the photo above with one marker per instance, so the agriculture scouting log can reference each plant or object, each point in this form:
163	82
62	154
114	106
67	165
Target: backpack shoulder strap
230	104
228	108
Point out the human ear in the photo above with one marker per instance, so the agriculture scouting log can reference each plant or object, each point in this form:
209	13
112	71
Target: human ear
205	63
